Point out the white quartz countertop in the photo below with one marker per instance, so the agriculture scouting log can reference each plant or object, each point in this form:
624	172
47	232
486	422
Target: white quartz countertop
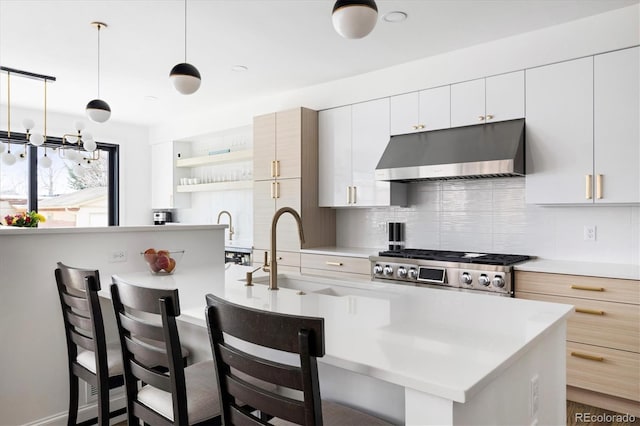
343	251
13	230
432	340
592	269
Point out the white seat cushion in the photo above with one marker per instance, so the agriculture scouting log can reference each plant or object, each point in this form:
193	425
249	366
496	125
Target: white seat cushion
203	401
339	415
87	359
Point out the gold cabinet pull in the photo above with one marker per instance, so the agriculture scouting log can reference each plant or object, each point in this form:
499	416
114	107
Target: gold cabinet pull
481	118
420	126
273	168
333	263
588	186
599	187
415	127
277	168
489	117
355	195
277	189
348	195
273	192
587	356
589	311
587	288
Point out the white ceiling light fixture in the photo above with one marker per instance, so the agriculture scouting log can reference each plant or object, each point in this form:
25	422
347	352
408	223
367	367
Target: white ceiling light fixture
395	17
354	18
97	109
185	77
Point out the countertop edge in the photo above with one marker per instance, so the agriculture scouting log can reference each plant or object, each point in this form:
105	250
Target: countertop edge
11	230
361	252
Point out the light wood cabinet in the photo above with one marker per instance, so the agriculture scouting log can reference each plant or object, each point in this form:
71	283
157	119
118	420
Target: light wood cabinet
335	266
352	140
485	100
583	130
603	335
420	111
286	175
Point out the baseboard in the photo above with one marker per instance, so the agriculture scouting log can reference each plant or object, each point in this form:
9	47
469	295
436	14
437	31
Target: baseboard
85	412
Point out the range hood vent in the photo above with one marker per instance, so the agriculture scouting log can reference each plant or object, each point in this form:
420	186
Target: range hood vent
480	151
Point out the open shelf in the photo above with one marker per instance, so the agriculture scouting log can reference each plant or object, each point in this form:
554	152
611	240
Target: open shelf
217	186
229	157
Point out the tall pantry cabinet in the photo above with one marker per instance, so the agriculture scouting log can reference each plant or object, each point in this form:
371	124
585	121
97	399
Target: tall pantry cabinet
285	170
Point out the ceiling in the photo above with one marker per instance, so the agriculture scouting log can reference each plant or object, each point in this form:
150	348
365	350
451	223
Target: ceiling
286	44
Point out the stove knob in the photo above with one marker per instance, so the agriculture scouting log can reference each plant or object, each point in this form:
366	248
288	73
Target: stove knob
377	270
388	270
484	280
466	278
498	281
402	272
413	273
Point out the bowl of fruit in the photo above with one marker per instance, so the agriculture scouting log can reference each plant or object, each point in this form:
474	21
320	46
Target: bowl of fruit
162	262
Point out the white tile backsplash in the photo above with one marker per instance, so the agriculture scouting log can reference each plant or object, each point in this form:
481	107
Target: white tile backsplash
491	215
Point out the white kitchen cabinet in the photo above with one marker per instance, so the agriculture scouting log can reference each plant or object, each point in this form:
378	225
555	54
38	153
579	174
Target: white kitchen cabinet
617	127
165	176
420	111
352	140
486	100
582	131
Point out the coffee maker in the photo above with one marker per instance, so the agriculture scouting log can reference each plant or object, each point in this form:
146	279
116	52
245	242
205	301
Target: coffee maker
160	217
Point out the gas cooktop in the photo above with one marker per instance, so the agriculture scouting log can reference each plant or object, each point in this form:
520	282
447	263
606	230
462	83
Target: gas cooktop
456	256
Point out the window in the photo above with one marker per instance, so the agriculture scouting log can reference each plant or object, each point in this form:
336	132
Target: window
70	193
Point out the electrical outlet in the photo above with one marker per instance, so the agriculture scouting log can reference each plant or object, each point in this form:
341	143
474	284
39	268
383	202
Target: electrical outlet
589	232
118	256
534	397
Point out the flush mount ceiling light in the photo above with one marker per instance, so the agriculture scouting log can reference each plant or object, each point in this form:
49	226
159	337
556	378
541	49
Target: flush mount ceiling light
97	109
395	17
185	77
354	18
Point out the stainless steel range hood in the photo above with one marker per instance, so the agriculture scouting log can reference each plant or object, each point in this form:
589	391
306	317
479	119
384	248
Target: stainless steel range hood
483	150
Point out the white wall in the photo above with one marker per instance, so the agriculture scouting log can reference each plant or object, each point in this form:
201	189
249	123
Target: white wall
135	155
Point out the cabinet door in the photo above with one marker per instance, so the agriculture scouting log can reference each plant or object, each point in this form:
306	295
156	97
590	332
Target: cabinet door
404	113
264	205
617	126
264	146
370	136
505	97
161	175
559	139
287	194
467	103
288	143
435	108
334	162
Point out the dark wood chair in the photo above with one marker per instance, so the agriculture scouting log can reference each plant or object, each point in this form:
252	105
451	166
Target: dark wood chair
89	356
300	335
179	395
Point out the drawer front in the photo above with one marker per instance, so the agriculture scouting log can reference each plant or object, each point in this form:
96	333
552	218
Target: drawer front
609	289
609	371
608	324
288	258
353	265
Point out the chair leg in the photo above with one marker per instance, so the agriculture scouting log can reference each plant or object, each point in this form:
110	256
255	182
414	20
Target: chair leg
103	405
72	417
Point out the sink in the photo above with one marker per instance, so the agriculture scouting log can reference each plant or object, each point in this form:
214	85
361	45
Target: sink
292	283
316	285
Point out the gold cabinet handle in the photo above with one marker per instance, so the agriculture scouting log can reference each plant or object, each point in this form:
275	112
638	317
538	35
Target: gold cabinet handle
599	187
273	192
277	168
355	195
277	189
273	168
588	186
489	117
348	195
587	356
587	288
415	127
481	118
420	126
589	311
333	263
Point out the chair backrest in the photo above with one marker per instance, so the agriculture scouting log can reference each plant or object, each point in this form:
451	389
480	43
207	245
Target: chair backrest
151	352
290	333
82	315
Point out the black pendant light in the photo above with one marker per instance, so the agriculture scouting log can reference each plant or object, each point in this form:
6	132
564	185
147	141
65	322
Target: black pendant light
185	77
354	18
97	109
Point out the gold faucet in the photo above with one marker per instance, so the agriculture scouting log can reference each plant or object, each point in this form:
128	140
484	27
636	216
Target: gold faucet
272	268
230	223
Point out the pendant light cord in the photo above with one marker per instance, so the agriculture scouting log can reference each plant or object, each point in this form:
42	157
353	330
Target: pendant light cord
185	31
9	107
45	112
99	60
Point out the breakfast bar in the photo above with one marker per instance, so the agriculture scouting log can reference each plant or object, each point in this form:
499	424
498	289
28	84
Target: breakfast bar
390	350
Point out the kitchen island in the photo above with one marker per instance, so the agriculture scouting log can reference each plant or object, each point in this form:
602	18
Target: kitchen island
410	355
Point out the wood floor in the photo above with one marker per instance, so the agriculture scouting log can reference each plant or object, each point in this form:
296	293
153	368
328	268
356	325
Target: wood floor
577	413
